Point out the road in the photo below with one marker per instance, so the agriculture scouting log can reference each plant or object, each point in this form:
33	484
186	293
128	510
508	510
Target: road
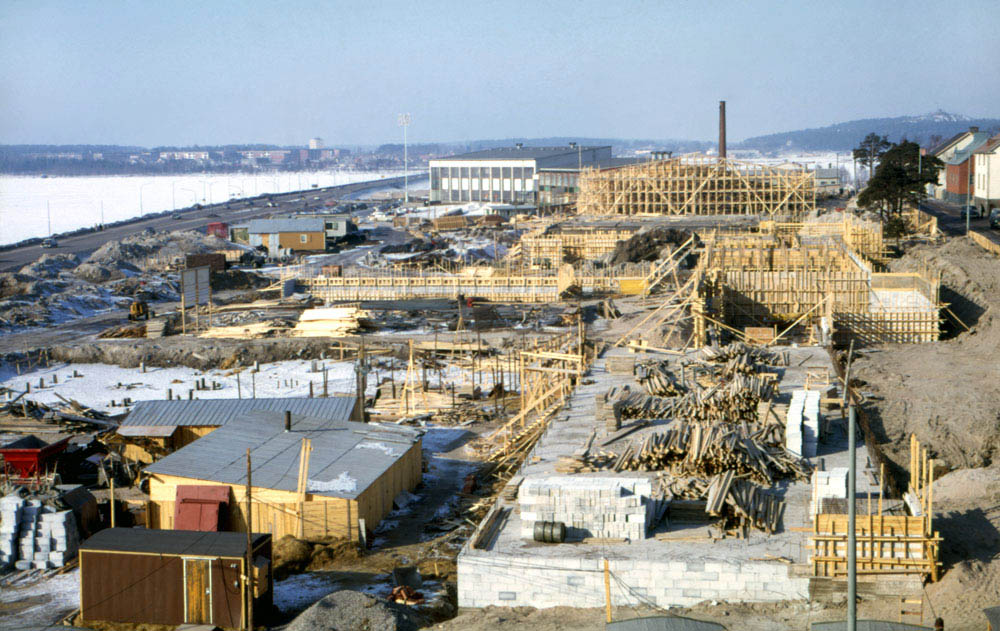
951	222
234	211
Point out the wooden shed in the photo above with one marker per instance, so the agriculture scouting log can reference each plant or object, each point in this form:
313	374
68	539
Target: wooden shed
173	577
320	478
158	427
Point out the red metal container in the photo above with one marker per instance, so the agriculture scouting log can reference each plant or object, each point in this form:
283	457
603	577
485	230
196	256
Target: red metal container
28	456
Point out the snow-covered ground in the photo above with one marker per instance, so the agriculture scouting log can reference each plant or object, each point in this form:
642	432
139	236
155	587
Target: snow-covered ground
77	202
46	602
100	384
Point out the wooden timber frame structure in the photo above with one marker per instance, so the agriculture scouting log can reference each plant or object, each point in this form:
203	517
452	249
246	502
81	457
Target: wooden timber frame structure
548	374
500	283
886	544
813	274
696	184
550	248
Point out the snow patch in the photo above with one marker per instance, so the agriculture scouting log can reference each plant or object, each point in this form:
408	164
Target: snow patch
341	484
386	449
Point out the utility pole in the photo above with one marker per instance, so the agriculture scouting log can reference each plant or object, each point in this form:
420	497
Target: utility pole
852	535
248	580
404	122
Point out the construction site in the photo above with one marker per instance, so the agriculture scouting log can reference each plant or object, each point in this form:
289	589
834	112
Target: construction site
697	393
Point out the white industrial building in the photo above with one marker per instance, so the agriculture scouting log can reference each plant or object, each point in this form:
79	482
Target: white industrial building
505	174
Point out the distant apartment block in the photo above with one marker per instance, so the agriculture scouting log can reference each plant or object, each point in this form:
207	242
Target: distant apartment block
184	155
506	174
986	179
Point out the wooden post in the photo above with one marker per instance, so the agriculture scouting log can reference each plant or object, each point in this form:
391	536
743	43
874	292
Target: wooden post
302	485
607	591
239	388
111	488
248	579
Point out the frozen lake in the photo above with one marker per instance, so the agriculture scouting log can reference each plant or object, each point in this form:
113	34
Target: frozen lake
27	202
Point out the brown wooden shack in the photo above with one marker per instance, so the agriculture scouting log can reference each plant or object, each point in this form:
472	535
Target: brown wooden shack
173	577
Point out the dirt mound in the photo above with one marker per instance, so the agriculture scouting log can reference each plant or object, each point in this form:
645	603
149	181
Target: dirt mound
238	279
967	507
944	392
354	611
647	246
139	249
293	556
290	556
98	273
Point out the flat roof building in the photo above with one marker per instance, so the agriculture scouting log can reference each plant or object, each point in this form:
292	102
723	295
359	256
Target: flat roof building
505	174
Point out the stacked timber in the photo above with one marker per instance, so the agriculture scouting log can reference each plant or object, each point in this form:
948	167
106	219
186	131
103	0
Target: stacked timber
658	380
329	321
702	449
755	354
732	401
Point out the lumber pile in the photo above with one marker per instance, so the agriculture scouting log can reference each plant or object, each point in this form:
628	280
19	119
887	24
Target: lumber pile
329	321
704	449
658	380
753	354
730	401
255	330
123	331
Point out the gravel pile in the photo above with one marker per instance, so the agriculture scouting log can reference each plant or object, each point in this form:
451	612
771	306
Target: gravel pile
354	611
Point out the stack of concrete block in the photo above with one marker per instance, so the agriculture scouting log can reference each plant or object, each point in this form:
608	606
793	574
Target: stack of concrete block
589	506
35	536
607	412
802	425
827	485
57	535
10	525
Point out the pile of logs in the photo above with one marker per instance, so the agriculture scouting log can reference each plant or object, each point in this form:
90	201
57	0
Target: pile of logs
700	449
753	354
658	380
731	401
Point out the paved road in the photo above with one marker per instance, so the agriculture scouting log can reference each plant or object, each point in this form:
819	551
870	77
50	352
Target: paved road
234	211
951	222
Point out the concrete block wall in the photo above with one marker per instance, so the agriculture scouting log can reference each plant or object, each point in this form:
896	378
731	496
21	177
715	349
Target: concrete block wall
827	484
35	536
576	580
589	506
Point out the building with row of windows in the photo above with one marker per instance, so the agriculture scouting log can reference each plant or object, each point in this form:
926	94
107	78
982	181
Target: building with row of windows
507	174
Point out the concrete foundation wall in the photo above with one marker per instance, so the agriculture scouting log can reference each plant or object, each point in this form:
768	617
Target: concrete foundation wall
486	580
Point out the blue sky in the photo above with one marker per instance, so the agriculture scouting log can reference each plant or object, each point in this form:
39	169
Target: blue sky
216	71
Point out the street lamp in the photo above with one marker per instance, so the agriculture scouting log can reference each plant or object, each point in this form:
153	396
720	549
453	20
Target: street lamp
404	122
142	186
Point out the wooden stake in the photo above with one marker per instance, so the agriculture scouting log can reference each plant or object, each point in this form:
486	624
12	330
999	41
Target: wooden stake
607	591
111	488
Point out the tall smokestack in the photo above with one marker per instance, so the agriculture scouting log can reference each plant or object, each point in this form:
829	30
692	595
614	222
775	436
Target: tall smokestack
722	129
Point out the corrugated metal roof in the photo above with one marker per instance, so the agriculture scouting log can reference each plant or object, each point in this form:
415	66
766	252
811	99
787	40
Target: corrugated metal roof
217	412
302	224
181	542
347	457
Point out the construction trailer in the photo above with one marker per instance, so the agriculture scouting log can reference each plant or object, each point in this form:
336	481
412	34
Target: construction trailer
155	428
348	474
174	577
696	184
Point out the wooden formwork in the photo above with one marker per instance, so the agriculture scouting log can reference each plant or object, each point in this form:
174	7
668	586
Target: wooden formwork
782	275
697	185
552	248
885	544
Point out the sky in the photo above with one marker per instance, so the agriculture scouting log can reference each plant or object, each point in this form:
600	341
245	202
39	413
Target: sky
189	72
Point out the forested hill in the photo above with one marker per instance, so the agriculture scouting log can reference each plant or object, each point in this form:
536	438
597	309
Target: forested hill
846	136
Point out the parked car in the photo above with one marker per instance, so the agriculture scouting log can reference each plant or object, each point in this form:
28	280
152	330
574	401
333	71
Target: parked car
969	211
995	219
176	216
50	243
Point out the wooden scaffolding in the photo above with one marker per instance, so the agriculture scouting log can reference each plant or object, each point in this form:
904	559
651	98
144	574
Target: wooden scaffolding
697	185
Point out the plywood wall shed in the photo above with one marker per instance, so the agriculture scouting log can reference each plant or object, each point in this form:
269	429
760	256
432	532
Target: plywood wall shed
172	577
156	427
355	470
